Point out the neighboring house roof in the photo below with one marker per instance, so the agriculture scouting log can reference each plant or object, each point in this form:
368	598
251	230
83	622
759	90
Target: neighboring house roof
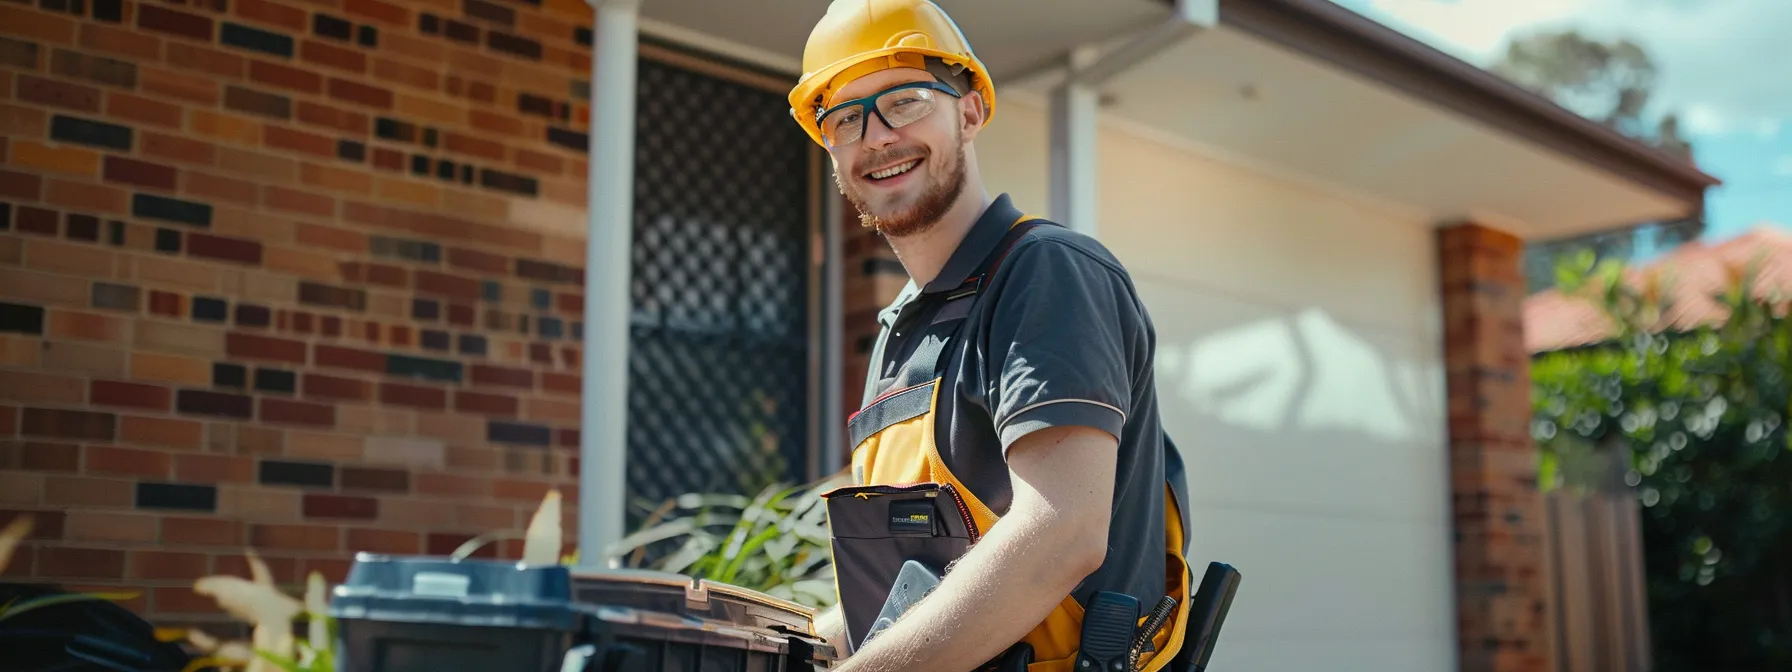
1327	31
1695	272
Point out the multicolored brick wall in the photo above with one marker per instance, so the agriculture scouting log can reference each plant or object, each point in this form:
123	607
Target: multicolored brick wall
873	277
302	275
1502	581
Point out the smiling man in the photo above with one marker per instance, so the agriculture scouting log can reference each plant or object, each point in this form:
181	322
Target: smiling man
1009	438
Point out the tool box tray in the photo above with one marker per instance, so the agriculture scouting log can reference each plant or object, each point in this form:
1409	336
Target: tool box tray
410	614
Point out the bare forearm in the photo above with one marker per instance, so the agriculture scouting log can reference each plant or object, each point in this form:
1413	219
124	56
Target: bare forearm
993	597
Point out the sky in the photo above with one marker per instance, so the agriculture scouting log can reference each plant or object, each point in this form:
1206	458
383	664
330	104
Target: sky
1720	64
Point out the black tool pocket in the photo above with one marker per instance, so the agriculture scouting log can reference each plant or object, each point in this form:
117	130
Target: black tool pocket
876	528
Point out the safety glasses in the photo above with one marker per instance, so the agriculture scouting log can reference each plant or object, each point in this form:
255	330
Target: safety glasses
897	106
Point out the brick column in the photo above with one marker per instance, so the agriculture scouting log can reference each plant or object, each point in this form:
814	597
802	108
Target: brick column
872	278
1502	581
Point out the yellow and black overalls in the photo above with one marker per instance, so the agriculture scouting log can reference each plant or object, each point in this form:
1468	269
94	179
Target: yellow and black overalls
905	504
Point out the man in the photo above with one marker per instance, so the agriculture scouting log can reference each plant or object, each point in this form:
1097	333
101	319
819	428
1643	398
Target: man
1012	379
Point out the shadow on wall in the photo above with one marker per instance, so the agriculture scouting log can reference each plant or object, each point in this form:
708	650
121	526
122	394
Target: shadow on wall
1318	465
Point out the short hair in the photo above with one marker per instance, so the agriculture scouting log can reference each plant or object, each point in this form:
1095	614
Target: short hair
955	75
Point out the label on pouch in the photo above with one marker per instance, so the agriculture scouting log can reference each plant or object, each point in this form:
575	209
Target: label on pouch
912	517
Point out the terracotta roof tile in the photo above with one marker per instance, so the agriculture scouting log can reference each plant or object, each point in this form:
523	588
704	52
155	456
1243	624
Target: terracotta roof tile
1696	270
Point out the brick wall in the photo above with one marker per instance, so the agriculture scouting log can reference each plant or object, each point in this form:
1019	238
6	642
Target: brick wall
296	274
872	279
1502	581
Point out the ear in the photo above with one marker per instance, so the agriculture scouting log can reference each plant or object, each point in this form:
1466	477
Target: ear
972	112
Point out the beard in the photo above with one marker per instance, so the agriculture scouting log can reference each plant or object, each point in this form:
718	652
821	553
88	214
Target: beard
927	208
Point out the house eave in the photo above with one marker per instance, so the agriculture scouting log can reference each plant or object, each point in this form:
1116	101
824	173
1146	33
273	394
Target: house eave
1326	31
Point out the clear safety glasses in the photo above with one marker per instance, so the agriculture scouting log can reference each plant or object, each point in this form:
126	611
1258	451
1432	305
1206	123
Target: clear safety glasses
896	106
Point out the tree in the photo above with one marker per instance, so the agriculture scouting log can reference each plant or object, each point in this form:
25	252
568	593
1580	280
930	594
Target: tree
1611	82
1699	419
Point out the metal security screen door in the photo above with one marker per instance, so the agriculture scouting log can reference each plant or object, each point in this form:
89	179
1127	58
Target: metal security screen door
722	369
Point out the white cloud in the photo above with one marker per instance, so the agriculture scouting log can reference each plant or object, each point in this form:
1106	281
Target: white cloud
1783	166
1702	119
1717	59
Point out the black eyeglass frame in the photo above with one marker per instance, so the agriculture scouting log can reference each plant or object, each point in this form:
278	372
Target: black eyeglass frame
870	104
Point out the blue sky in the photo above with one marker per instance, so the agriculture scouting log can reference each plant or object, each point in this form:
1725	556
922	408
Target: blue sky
1717	67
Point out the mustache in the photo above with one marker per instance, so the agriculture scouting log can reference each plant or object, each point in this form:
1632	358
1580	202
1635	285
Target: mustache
890	156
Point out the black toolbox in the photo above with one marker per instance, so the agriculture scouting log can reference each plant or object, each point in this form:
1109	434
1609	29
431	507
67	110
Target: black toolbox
412	614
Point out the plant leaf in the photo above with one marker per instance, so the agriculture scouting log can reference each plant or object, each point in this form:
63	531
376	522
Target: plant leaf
780	548
467	548
258	570
12	609
745	551
252	602
687	555
660	532
541	544
11	535
316	606
208	662
699	501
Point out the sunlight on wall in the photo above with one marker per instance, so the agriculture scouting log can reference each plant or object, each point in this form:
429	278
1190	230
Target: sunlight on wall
1304	368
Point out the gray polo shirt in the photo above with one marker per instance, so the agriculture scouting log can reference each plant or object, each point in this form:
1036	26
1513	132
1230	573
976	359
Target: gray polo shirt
1058	336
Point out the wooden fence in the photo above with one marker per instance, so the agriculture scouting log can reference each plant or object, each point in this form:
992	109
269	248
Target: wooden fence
1595	555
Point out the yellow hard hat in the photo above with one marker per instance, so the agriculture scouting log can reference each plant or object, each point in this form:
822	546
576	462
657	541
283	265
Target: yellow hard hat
858	37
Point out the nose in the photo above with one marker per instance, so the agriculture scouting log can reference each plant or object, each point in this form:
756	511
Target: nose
877	135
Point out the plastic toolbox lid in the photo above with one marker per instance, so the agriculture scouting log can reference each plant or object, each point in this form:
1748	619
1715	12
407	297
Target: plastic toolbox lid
684	595
464	592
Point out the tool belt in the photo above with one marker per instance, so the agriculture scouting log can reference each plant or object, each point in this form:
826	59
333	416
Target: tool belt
877	530
929	525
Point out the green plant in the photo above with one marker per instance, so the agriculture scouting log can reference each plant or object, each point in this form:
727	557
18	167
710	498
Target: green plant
1696	417
775	542
272	614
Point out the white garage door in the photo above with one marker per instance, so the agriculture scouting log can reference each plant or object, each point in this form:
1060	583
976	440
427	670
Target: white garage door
1300	370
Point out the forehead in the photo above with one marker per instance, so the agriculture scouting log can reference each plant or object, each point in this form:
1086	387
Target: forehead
878	81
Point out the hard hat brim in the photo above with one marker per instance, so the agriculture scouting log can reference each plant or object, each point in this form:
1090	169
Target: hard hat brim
802	97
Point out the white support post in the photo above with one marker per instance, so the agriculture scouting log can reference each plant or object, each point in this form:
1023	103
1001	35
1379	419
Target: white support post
833	361
1075	107
603	412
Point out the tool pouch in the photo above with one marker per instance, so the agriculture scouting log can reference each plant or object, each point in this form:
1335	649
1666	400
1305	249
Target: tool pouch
877	528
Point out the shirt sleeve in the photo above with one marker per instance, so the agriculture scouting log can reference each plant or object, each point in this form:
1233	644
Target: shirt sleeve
1065	338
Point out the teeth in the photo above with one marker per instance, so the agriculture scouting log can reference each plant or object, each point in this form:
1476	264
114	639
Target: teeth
895	170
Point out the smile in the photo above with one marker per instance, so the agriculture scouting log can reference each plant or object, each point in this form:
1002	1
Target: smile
893	171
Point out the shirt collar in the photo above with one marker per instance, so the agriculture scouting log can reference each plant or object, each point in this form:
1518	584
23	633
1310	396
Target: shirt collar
982	239
976	246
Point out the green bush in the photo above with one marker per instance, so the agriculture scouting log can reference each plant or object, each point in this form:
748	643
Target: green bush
1699	416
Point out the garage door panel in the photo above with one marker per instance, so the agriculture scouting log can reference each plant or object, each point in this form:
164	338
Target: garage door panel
1308	575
